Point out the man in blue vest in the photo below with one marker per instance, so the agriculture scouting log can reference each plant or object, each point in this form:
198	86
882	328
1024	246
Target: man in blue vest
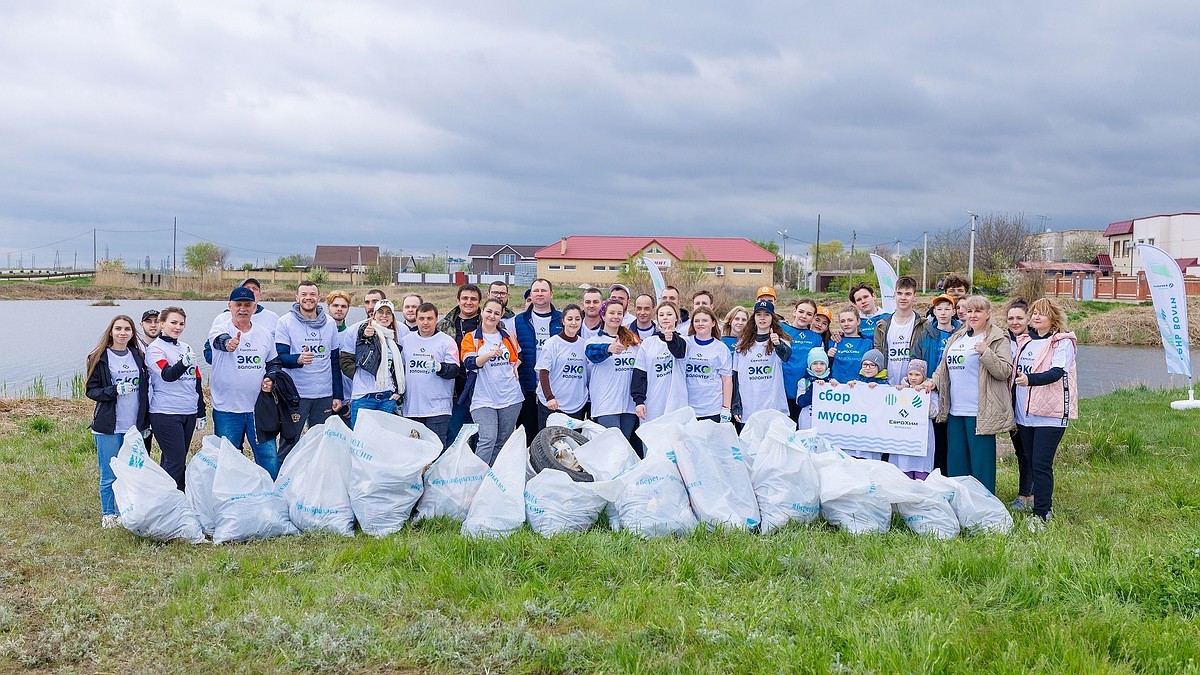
532	328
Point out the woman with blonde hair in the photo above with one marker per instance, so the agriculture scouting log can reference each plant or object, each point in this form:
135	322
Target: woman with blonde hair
732	325
117	380
972	381
1046	395
176	393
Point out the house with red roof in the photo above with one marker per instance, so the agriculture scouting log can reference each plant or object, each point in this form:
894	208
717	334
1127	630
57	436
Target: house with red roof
599	259
1177	233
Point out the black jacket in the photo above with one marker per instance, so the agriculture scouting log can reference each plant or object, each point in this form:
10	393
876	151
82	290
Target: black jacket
278	413
100	388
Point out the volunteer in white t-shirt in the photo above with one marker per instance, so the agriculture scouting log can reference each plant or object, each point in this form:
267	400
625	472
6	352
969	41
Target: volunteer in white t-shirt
708	368
896	333
307	342
562	369
378	364
430	366
176	393
972	382
119	383
643	325
758	358
1047	396
658	386
592	321
612	354
242	352
489	355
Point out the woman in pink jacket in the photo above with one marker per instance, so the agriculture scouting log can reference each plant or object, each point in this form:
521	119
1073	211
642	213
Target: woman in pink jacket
1046	396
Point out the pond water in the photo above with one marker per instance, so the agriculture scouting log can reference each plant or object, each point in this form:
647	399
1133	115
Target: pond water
44	343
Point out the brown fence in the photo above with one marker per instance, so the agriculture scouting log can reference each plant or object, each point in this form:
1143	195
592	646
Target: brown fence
1115	287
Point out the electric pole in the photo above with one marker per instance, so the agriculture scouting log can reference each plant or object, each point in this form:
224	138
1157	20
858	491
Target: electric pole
925	265
853	237
816	284
971	255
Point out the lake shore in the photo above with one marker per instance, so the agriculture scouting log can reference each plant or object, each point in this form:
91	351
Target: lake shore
1099	323
1110	585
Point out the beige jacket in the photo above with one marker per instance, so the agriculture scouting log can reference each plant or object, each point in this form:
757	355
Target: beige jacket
995	398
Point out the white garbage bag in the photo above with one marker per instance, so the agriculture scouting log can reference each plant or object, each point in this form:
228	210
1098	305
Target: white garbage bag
715	474
248	505
399	426
654	502
756	426
657	434
386	467
607	455
150	504
313	479
786	482
978	510
588	428
200	473
498	508
929	510
554	503
850	499
451	482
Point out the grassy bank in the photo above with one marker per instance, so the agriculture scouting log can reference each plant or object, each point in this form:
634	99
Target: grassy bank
1113	584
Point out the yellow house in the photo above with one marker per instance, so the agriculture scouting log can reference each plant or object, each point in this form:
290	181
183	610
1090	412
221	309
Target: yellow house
598	259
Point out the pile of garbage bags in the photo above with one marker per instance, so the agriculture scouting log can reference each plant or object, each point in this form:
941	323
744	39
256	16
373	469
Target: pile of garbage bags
389	471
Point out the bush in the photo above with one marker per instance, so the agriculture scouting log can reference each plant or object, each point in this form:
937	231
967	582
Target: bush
318	275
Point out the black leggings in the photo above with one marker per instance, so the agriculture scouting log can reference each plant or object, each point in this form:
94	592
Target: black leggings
174	434
1039	444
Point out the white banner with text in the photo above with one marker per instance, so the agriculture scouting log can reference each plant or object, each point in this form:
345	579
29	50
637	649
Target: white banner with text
874	419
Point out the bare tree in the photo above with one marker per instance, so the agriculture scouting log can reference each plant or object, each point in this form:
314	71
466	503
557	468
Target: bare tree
1001	241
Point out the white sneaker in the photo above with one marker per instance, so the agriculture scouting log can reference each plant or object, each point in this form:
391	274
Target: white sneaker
1037	524
109	521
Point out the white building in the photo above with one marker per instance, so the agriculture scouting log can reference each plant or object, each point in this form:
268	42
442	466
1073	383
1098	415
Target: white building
1178	234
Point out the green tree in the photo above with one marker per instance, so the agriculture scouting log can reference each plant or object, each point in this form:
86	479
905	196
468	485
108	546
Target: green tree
634	276
773	246
690	271
204	257
289	263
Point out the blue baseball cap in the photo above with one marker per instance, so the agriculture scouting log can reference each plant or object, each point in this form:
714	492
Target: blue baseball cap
764	306
241	293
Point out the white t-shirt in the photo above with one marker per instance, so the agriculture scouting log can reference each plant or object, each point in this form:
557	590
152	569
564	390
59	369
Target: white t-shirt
588	333
566	364
1063	357
643	333
124	368
760	380
962	362
346	343
172	398
609	381
497	385
703	368
237	376
899	346
666	389
316	379
427	395
541	326
365	381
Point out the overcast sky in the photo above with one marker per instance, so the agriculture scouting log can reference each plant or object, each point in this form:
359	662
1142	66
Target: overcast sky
270	127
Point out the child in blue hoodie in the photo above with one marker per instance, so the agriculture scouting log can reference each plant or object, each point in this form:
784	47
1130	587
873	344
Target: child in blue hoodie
818	370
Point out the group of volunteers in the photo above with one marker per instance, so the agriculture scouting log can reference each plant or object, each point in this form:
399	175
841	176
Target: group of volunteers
616	357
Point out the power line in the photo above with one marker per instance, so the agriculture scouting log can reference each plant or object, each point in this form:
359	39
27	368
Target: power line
34	248
230	246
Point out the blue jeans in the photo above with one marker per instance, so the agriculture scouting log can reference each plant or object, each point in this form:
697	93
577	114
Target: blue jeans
438	424
107	446
234	426
627	423
369	402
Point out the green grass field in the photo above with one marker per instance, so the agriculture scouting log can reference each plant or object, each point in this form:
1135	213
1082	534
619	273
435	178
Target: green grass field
1113	585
